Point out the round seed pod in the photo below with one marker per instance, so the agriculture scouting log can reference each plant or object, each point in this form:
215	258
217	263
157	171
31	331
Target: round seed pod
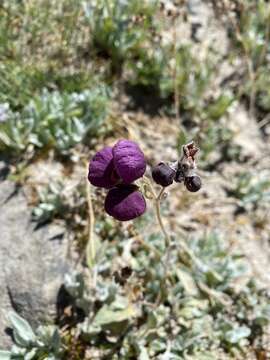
163	174
125	202
129	161
193	183
101	169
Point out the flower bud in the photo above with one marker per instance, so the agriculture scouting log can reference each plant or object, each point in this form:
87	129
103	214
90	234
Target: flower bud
193	183
163	174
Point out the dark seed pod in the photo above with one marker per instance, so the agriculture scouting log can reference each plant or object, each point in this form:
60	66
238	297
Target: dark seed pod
163	174
193	183
179	175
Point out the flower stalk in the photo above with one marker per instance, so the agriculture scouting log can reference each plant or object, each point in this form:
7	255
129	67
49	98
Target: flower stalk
91	246
159	218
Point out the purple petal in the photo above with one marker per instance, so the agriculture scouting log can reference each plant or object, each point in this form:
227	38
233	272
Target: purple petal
129	160
101	169
125	202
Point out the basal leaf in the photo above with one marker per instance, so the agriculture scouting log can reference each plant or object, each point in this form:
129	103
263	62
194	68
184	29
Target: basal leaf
5	355
23	332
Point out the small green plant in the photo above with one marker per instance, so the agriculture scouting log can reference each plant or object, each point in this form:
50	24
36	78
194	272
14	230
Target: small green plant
43	344
55	120
251	190
52	203
201	314
249	29
118	28
151	69
169	73
42	45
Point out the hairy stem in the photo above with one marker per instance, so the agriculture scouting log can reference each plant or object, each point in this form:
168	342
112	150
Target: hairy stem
159	218
91	246
167	239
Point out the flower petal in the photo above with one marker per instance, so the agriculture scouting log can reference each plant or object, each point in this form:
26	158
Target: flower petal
101	169
125	202
129	160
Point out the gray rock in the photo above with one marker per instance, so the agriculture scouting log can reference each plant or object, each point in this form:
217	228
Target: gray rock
32	262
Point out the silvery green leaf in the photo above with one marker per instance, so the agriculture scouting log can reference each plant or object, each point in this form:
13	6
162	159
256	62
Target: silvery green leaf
89	329
202	356
23	332
235	335
74	284
31	354
39	343
156	346
106	292
168	355
56	340
46	334
5	355
16	350
18	353
143	354
187	282
120	310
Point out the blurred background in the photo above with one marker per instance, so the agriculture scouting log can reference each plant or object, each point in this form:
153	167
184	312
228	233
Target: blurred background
76	75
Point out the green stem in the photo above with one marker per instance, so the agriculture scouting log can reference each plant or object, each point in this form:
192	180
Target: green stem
159	218
91	246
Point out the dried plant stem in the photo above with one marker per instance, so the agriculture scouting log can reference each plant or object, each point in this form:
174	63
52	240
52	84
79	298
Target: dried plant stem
91	246
167	239
176	89
216	295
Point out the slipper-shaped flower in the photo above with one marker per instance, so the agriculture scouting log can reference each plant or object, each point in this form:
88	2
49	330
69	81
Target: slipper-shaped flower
101	169
125	202
129	161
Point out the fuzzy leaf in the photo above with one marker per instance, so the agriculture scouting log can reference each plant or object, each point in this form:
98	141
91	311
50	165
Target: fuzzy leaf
31	354
23	332
187	282
235	335
114	313
5	355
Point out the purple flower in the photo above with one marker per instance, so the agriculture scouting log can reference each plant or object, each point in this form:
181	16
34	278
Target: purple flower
116	168
129	161
124	162
125	202
101	169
